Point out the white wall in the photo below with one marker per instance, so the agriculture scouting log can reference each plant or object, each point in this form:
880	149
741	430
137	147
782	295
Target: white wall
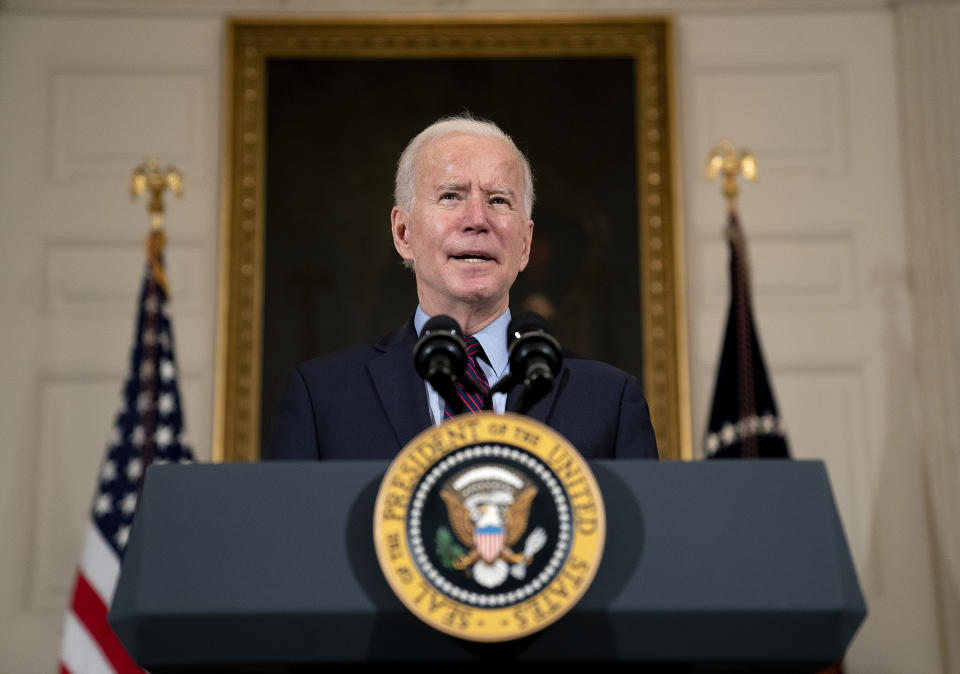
83	99
87	90
814	96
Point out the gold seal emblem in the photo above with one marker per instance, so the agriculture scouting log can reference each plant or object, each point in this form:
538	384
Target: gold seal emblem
489	527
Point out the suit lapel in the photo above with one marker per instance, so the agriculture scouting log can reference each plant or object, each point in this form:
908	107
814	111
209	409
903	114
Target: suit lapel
400	389
403	394
543	410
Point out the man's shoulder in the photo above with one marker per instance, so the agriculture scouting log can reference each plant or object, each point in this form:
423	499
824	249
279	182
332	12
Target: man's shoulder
359	354
602	410
595	369
346	357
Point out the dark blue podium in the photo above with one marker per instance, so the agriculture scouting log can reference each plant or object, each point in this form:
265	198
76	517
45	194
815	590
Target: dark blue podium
271	566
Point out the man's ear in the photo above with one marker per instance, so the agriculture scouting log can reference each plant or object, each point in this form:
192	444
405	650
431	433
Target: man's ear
401	233
527	242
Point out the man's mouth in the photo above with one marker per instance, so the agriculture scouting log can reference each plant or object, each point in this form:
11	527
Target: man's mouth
472	257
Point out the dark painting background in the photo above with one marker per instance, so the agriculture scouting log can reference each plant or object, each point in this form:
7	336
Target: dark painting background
335	129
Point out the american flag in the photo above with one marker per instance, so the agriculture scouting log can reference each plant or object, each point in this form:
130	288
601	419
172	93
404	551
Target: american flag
147	430
744	421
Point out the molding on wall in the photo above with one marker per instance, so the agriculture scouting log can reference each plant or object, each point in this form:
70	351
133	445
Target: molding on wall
80	276
91	135
355	7
802	128
790	270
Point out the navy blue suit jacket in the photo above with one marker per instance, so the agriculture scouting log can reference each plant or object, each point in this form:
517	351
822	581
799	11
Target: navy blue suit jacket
368	402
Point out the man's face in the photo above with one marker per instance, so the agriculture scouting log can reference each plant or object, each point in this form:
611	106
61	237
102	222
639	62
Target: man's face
467	233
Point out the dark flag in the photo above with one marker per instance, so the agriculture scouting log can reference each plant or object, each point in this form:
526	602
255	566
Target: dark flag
147	430
744	422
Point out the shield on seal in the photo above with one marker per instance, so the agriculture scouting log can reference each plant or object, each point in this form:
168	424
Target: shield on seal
489	541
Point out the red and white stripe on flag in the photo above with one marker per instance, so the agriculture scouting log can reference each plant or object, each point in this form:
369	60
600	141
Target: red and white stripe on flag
89	644
489	545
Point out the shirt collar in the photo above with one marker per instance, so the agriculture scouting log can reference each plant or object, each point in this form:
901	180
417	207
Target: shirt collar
492	338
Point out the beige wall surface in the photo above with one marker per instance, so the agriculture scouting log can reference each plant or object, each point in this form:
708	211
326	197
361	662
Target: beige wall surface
90	87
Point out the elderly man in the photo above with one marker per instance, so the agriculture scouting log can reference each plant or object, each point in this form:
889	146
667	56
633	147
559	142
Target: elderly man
464	194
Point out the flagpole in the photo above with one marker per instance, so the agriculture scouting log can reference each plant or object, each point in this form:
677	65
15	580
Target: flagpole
744	421
724	159
150	178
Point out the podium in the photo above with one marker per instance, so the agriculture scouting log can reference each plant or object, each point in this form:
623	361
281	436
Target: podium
271	567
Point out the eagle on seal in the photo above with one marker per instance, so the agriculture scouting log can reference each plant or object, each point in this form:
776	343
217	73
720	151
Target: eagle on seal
489	527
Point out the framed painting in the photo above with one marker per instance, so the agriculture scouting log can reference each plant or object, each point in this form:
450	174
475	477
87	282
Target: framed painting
318	113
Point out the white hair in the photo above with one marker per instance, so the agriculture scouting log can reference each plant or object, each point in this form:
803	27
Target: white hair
465	124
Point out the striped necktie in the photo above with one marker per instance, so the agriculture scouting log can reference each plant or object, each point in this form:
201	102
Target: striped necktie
472	401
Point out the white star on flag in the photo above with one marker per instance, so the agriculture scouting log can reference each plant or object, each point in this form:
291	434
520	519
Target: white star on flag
164	436
728	433
146	370
123	534
109	471
103	504
713	442
134	468
129	503
768	423
139	435
167	370
166	404
150	305
149	337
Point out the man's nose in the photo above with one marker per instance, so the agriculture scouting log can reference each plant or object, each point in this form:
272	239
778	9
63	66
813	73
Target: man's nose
475	215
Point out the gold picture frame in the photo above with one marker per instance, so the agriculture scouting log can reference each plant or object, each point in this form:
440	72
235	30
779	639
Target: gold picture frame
250	46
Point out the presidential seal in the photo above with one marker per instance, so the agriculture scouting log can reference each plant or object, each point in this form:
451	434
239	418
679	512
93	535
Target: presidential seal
489	527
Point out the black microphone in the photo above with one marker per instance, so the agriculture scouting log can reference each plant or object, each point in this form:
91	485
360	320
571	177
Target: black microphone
535	357
440	357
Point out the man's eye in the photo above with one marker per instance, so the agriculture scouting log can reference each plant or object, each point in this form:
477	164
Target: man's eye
448	195
499	200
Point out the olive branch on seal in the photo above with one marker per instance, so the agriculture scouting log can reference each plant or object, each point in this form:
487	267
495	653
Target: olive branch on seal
447	548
